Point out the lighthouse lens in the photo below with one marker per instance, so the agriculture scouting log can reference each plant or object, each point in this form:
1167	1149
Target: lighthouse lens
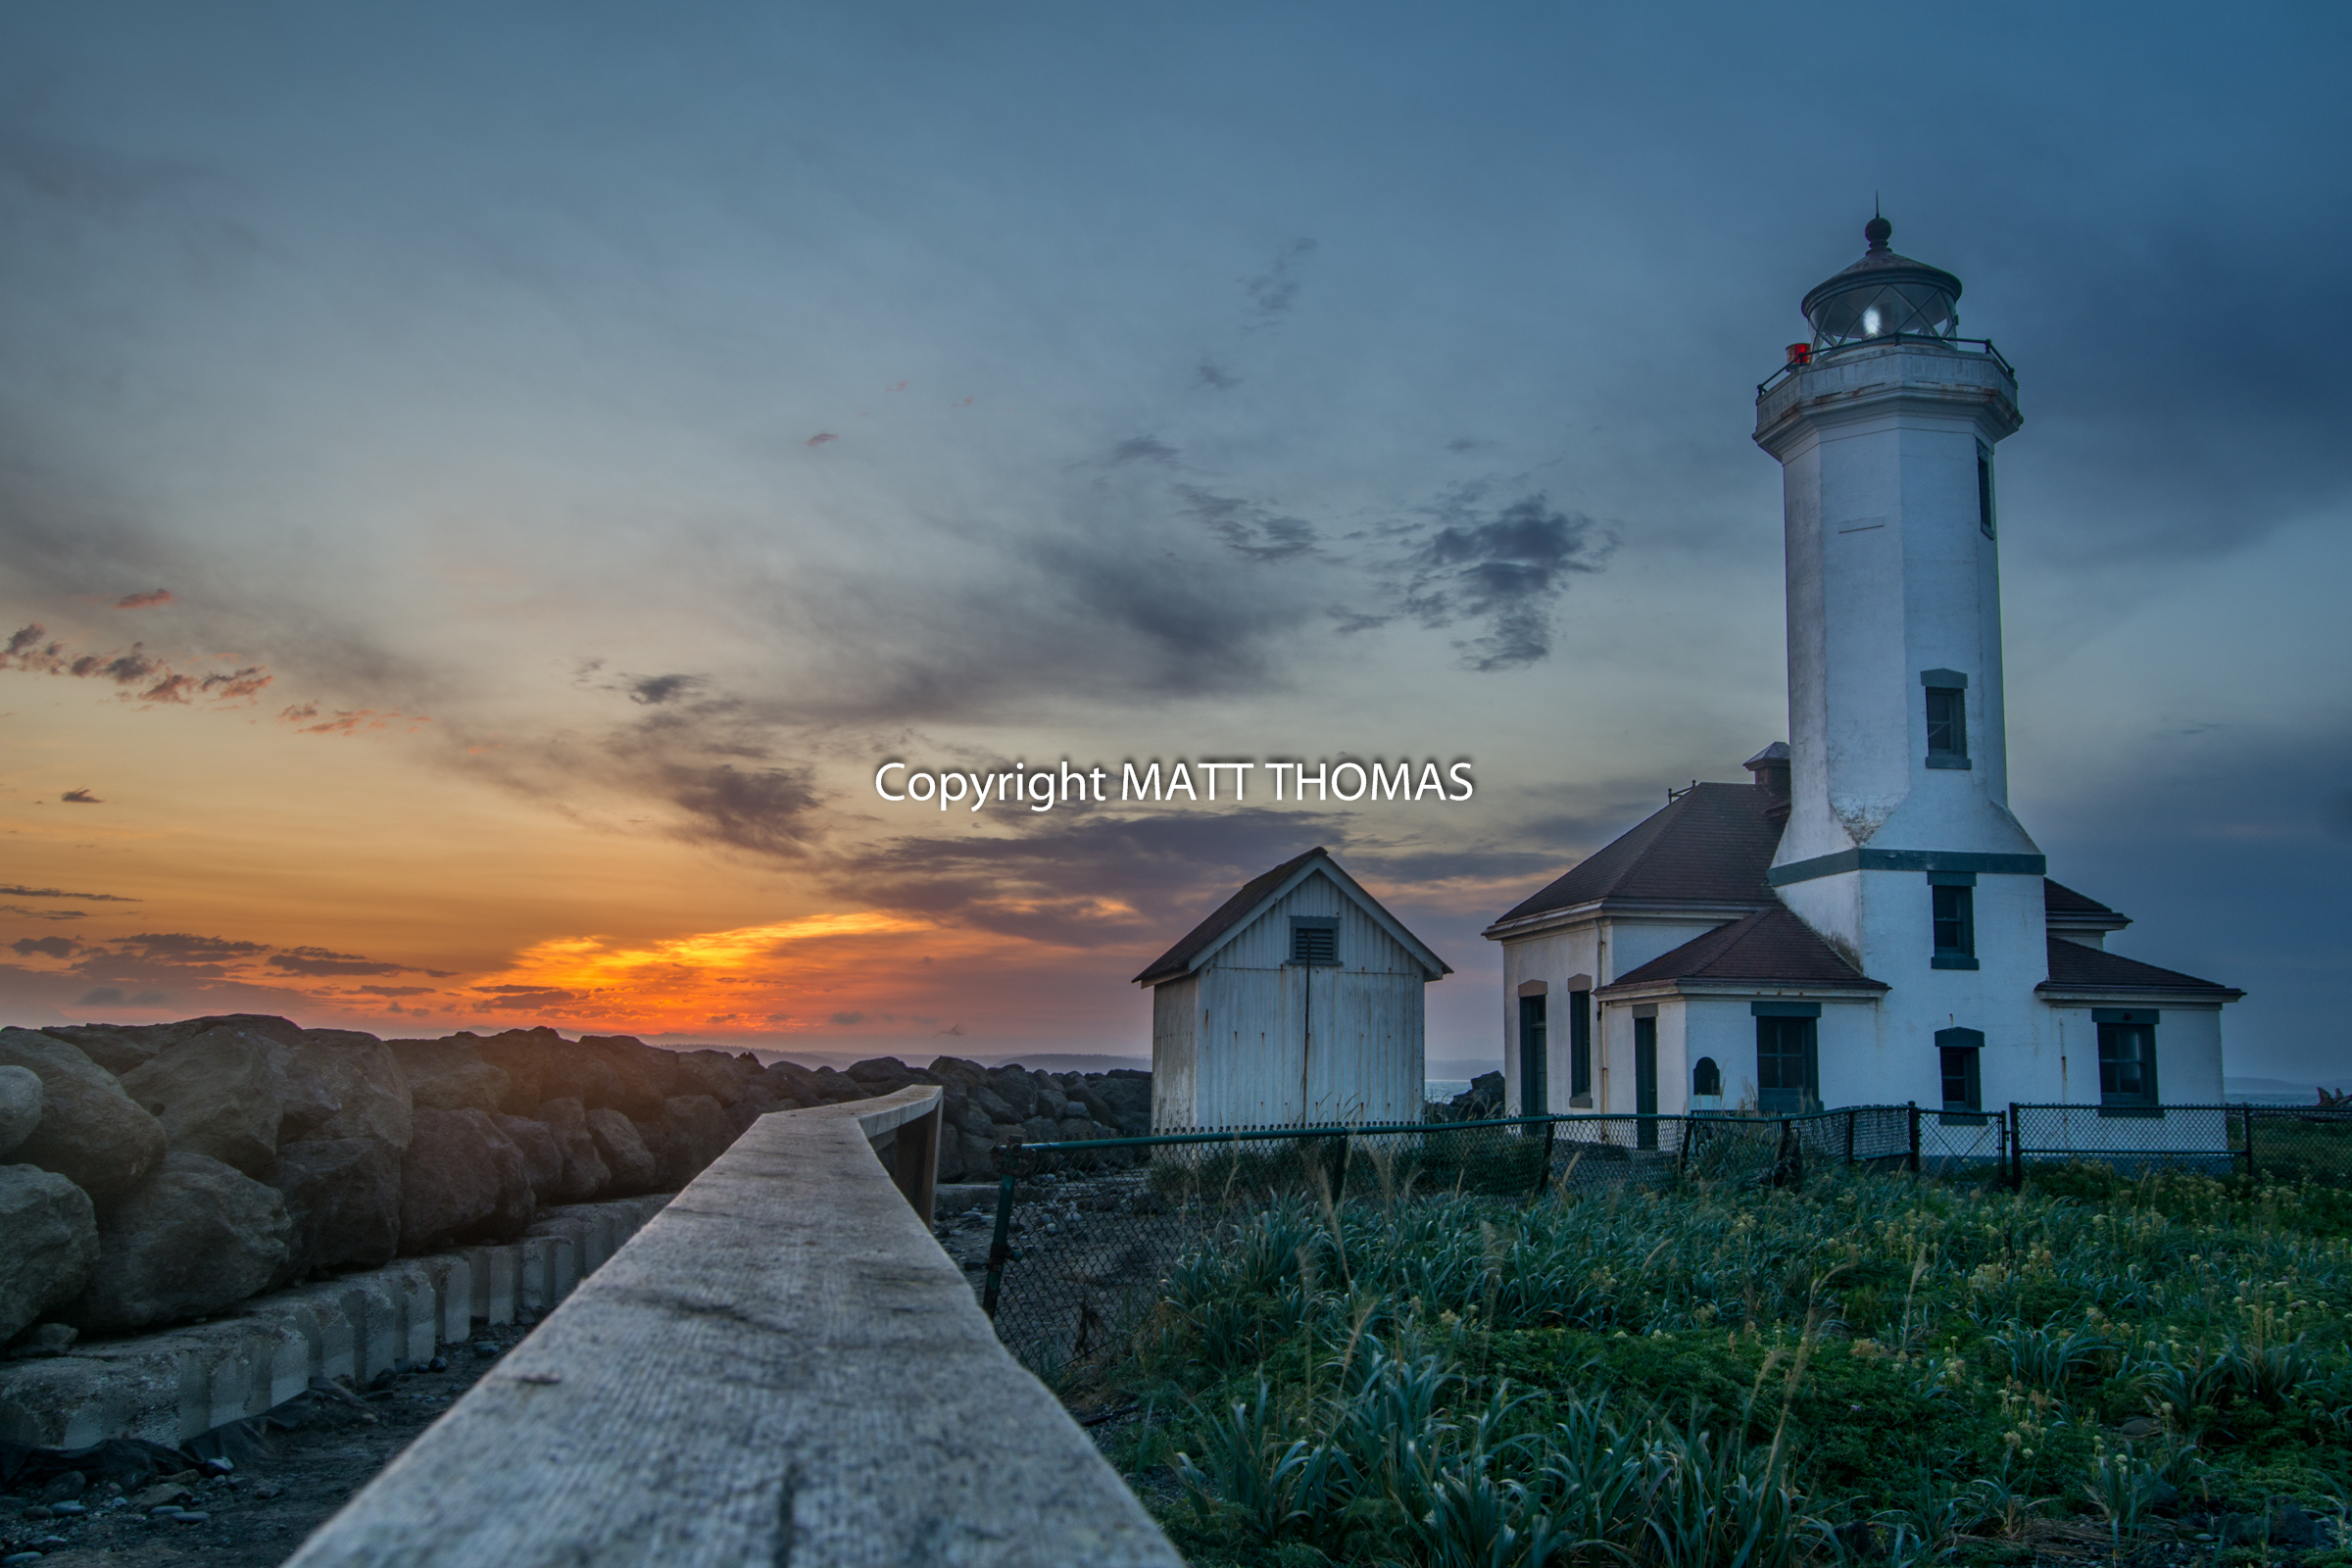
1870	321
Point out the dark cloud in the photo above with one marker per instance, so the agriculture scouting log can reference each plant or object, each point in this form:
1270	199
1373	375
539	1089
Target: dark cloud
767	811
182	947
43	914
80	798
13	889
1215	377
1505	568
31	650
845	1019
1272	291
394	991
652	691
115	997
1143	449
146	600
318	961
525	1001
1246	528
47	947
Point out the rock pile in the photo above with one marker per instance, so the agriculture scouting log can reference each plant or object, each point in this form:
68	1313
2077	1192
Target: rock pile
155	1173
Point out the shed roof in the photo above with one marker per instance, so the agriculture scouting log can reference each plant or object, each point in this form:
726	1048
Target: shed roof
2076	967
1254	897
1712	844
1771	947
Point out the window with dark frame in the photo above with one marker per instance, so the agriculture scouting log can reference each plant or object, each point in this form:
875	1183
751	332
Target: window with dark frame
1953	919
1706	1079
1787	1065
2127	1062
1984	489
1959	1057
1314	940
1580	1048
1948	723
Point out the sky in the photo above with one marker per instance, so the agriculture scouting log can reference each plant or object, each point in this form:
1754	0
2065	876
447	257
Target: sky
493	483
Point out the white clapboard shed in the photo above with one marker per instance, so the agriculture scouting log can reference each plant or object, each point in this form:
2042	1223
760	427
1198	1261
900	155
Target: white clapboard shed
1298	1002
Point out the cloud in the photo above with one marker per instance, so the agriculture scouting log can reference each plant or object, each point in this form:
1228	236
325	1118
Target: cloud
846	1019
28	650
317	962
821	437
1272	291
347	721
394	991
80	798
1143	449
44	915
526	1000
46	946
182	947
654	690
1506	569
1213	376
19	890
145	601
1246	528
115	997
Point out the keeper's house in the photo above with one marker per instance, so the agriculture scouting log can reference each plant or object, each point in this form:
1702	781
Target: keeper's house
1299	1001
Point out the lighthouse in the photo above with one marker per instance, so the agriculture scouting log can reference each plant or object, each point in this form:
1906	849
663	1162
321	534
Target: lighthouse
1900	850
1865	921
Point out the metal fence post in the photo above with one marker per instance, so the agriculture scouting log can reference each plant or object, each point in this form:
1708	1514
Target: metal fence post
2246	1119
2017	1152
1000	1247
1913	1108
1850	1114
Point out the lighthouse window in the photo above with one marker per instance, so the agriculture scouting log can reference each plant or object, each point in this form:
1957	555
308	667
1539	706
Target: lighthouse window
2127	1062
1985	488
1787	1064
1955	923
1948	726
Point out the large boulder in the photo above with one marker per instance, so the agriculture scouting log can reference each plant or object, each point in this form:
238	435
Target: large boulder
20	1106
48	1244
461	1179
634	1170
724	1078
116	1049
702	1131
643	1076
343	1195
215	1096
542	1160
90	1132
450	1075
364	1079
195	1237
1015	1087
585	1173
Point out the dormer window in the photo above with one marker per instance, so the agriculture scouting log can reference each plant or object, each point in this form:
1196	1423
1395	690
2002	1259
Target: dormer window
1948	716
1315	940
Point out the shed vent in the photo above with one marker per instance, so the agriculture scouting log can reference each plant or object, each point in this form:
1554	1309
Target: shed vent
1315	939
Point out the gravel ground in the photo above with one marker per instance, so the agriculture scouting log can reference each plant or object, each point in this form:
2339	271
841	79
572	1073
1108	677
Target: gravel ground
290	1470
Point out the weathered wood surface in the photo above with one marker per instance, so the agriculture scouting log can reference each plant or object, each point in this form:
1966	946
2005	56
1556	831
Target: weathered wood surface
780	1368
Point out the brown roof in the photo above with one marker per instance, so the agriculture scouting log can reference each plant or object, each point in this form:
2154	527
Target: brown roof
1771	947
2059	898
1712	845
1178	959
2076	967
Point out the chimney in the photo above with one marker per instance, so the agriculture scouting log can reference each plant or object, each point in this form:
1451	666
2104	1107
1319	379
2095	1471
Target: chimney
1769	768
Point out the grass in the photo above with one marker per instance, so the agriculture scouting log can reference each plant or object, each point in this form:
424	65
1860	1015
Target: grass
1874	1369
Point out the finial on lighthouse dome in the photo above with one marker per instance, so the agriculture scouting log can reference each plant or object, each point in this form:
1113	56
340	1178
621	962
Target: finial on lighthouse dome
1883	296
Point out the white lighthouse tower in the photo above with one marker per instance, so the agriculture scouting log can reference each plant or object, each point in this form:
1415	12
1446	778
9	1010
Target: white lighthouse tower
1900	850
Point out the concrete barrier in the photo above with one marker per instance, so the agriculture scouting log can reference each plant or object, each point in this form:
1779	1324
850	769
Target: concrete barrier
181	1383
781	1368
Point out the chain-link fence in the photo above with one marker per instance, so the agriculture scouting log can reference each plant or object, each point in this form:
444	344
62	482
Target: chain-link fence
1085	1231
2293	1143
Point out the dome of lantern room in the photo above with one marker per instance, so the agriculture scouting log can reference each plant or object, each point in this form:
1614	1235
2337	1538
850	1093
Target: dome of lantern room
1883	295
